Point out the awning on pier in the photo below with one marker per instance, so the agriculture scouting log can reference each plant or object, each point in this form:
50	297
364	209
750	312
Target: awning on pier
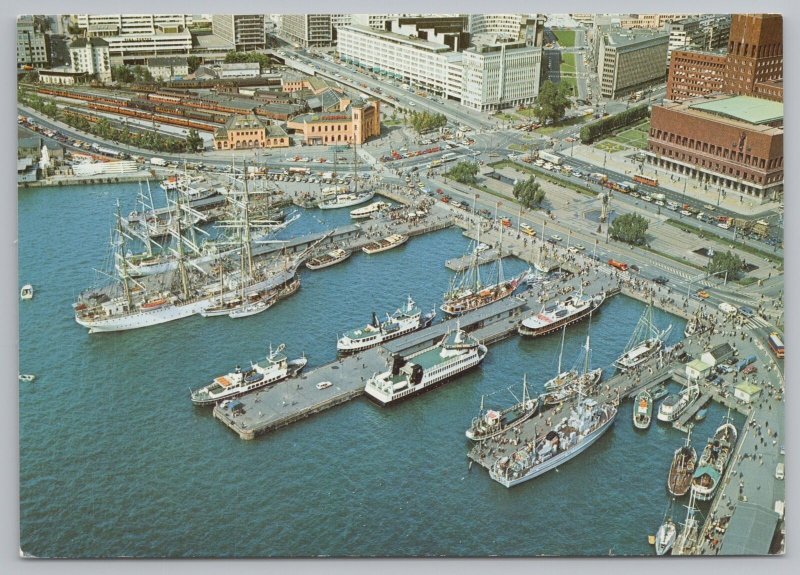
750	530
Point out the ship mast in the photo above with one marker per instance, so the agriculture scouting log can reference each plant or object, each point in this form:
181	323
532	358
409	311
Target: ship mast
124	271
181	267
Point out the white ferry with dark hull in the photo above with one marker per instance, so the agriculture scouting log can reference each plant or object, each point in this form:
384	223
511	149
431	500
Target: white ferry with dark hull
239	382
553	317
409	376
368	211
675	404
567	439
404	320
713	461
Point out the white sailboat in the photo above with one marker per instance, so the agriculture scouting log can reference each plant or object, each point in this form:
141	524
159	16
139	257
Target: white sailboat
645	342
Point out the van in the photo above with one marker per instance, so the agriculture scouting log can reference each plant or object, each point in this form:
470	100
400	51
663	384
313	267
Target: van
779	471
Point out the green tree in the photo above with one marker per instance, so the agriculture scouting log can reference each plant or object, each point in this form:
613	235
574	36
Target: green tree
552	101
194	63
464	172
722	262
194	143
122	74
142	74
630	228
529	193
234	57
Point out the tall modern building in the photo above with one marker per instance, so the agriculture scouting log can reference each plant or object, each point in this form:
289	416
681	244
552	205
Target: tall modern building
630	60
652	21
244	31
33	42
91	55
307	30
707	34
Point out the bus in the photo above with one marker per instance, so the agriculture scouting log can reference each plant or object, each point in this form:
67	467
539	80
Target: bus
645	180
527	229
448	156
300	171
619	265
775	344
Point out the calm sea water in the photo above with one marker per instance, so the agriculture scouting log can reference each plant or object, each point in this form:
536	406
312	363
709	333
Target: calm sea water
115	461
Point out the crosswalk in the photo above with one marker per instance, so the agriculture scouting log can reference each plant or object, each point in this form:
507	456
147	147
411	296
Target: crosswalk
757	322
671	269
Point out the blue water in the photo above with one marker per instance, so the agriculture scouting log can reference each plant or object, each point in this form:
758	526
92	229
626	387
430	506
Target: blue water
114	460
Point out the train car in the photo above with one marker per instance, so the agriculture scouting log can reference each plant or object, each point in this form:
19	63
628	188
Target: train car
645	180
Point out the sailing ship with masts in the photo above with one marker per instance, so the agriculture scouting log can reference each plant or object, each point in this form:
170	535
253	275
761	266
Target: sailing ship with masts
689	536
135	303
468	293
645	342
569	383
666	534
349	199
490	423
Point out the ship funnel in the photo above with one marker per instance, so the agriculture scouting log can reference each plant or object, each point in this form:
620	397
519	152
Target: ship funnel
375	321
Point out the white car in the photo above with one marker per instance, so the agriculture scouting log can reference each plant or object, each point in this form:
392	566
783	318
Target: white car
324	384
556	237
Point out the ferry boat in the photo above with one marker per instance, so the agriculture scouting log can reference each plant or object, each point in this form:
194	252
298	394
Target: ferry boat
560	314
713	461
683	464
384	244
587	422
346	200
402	321
642	409
26	292
646	341
674	405
490	423
326	260
409	376
367	211
276	368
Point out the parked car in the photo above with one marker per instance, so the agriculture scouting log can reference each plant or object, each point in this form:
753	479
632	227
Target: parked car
703	294
661	280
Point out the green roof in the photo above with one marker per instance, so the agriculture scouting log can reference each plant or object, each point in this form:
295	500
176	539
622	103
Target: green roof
698	365
748	388
745	108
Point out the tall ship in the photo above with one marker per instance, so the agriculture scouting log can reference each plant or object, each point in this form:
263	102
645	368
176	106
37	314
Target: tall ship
404	320
675	404
468	293
568	384
586	423
689	535
490	423
275	368
645	342
713	461
456	353
642	409
560	314
331	258
188	290
684	461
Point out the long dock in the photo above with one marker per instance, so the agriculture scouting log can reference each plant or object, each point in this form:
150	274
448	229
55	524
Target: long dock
459	264
682	423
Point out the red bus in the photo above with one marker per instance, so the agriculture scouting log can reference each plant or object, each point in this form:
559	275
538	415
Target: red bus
775	344
619	265
645	180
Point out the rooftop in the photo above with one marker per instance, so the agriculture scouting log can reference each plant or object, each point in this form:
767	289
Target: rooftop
621	37
242	66
83	42
745	108
750	530
168	61
400	38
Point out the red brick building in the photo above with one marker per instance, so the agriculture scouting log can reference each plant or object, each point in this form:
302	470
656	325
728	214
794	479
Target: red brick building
694	74
734	143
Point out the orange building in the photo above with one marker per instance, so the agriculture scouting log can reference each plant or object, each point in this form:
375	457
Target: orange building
242	132
359	122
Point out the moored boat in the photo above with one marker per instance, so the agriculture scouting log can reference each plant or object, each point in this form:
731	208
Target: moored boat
346	200
560	314
26	292
491	422
27	377
369	210
411	375
645	342
675	404
251	308
665	536
384	244
642	409
404	320
713	461
239	382
659	392
329	259
682	468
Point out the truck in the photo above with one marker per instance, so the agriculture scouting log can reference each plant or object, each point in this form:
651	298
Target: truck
554	159
619	265
745	362
158	162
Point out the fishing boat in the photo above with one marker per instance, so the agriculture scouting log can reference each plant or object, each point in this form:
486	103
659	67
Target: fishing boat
369	210
683	465
384	244
419	372
468	293
491	423
675	404
26	292
346	200
276	368
645	342
560	314
404	320
587	422
329	259
713	461
701	414
642	409
27	377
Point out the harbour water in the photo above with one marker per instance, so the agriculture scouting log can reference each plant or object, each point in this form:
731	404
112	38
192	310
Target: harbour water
115	461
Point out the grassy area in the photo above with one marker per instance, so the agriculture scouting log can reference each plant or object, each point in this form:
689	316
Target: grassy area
519	148
635	137
566	38
609	146
393	123
542	175
527	113
567	63
682	225
675	258
506	117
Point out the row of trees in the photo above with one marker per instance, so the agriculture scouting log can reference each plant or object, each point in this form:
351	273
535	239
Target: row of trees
129	75
234	57
423	122
529	193
591	132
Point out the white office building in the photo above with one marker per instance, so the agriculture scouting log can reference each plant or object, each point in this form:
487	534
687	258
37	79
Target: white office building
91	55
133	37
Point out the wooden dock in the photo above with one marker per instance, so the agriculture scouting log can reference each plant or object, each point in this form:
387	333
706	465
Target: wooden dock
682	423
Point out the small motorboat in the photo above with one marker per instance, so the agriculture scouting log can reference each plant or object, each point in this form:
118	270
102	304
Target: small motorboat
701	414
29	377
26	292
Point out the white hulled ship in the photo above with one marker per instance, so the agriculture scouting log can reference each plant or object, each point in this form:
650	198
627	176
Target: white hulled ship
555	316
274	369
346	200
587	422
645	342
674	405
567	384
369	210
454	354
404	320
331	258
